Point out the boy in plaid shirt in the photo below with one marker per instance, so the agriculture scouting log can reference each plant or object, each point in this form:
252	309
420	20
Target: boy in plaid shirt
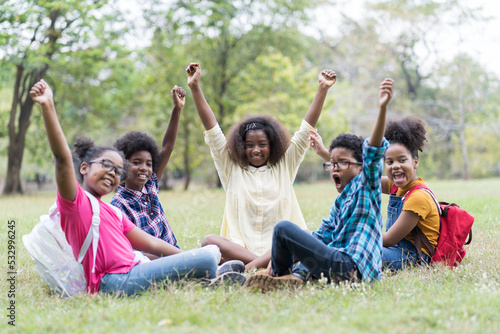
348	243
138	197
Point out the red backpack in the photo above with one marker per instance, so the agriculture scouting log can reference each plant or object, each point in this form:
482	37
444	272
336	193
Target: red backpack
455	231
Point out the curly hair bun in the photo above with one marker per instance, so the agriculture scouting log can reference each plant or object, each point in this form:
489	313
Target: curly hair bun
409	132
82	146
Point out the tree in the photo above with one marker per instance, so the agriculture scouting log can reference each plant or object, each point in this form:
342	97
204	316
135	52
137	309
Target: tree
413	25
225	37
35	35
460	104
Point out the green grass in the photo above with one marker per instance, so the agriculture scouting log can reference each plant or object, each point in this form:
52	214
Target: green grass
422	300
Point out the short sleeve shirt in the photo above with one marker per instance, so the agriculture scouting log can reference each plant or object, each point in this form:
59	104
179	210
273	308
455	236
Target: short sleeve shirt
114	251
421	203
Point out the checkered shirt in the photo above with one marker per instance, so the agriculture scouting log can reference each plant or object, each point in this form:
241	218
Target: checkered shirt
143	208
354	226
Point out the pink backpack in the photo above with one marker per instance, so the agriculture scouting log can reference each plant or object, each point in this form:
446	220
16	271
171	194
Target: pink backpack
455	231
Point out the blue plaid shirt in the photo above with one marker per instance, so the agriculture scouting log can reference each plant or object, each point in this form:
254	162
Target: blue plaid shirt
143	208
354	226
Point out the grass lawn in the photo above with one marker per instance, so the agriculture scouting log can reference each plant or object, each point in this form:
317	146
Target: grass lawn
422	300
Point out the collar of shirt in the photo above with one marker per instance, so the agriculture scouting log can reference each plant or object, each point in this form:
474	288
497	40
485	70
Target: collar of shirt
253	169
133	194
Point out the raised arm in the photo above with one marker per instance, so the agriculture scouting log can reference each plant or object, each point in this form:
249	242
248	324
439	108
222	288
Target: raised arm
326	80
316	143
168	142
206	114
386	88
65	173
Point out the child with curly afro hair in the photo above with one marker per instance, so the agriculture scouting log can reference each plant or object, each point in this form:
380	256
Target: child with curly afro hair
408	211
137	197
257	165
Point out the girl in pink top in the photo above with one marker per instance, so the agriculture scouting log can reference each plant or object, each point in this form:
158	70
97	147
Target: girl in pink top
101	170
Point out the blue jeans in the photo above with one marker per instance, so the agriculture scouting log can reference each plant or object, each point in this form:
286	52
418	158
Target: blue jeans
404	252
317	259
195	263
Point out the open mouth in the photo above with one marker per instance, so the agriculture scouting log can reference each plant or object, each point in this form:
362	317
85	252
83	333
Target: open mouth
398	177
108	182
143	177
337	181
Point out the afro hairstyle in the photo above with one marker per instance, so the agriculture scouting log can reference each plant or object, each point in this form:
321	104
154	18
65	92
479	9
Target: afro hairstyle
135	141
351	142
409	132
278	136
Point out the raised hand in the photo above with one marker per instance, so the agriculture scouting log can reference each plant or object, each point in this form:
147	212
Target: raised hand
327	78
194	74
178	96
386	90
41	92
316	143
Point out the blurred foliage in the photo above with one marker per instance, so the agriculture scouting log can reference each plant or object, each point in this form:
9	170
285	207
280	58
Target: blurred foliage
112	74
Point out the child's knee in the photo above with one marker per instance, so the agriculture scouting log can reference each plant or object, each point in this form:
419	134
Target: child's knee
282	226
211	239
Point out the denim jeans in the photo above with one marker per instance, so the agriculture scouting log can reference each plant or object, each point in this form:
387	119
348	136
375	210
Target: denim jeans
317	259
404	252
195	263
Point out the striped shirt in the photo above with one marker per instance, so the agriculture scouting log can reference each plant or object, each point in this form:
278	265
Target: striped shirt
354	226
144	209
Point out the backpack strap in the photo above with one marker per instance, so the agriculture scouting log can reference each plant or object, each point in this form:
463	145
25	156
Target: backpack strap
93	234
419	237
118	211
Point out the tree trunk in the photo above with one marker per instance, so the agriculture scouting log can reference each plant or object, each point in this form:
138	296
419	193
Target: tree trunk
17	136
461	126
224	81
187	171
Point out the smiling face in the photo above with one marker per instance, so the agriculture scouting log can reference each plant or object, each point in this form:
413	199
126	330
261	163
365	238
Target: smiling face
342	177
140	170
257	147
96	179
400	165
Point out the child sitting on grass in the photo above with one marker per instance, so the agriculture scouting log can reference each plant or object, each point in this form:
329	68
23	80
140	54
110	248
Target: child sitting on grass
348	244
138	196
113	268
257	165
405	212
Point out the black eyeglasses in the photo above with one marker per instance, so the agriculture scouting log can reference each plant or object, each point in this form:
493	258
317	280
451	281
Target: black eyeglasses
341	165
109	167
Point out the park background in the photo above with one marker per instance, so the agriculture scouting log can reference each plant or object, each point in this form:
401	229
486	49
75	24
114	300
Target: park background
112	65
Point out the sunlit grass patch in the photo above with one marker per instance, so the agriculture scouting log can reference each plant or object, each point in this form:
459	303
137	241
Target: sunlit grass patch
437	299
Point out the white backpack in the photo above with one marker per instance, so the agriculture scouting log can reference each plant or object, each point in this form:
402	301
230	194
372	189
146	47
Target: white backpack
53	256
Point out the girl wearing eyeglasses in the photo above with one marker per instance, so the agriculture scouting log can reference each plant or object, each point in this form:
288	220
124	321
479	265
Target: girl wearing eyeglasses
101	170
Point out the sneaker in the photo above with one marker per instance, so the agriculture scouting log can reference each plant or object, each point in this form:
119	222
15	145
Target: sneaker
230	266
266	283
228	278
